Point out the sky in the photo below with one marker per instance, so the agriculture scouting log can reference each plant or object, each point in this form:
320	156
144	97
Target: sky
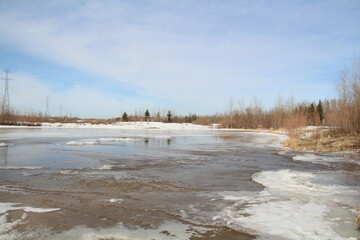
99	58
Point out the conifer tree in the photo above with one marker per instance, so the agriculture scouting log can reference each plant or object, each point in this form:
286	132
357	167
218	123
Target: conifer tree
125	117
312	114
147	115
169	115
320	111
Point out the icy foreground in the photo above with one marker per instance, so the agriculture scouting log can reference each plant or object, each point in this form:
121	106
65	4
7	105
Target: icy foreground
241	180
295	205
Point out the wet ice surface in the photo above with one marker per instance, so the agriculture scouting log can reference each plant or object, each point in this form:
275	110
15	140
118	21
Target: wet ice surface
136	184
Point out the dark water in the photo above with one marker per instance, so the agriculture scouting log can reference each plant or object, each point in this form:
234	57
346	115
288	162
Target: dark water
136	184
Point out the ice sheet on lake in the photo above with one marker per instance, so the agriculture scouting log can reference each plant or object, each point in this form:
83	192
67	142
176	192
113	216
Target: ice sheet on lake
82	143
294	205
123	139
20	168
321	159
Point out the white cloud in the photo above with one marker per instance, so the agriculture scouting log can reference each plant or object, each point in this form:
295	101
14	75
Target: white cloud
194	54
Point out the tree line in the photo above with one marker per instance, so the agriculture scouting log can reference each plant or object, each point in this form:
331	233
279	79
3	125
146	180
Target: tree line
342	112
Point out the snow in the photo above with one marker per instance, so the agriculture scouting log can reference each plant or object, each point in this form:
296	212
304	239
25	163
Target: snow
6	226
19	168
322	160
293	206
123	139
129	125
108	140
170	230
176	230
313	128
116	200
5	207
3	145
82	143
105	167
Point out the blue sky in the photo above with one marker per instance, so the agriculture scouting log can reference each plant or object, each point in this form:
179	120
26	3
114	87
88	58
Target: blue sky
100	58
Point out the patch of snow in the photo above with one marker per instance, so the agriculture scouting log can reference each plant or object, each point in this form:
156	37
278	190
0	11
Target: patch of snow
105	167
322	160
6	226
3	145
67	172
5	207
313	128
116	200
82	143
166	231
293	206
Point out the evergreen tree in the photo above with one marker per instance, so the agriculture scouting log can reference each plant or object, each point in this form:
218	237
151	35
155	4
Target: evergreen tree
147	115
125	117
312	114
320	111
169	115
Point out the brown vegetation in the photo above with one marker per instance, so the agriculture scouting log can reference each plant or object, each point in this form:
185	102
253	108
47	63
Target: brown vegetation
329	141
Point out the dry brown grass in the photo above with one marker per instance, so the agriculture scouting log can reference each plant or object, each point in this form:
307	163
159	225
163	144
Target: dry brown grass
325	142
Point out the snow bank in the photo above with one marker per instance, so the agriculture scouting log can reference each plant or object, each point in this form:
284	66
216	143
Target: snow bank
293	206
129	125
322	160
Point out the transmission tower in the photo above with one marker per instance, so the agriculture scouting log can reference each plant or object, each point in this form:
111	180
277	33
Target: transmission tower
47	113
6	100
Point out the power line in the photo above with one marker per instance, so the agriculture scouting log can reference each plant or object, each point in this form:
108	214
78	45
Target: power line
47	113
6	100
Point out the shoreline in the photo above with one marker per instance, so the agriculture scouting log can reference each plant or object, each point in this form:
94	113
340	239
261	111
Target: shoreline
311	138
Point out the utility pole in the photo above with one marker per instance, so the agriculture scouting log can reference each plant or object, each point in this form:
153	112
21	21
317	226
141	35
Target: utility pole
6	100
47	113
61	110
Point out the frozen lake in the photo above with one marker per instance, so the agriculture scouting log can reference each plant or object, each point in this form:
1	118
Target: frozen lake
163	184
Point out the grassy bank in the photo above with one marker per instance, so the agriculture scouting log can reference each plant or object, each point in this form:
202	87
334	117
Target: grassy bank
327	141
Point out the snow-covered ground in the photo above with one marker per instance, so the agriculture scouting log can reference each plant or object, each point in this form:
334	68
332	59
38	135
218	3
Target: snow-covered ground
129	125
295	205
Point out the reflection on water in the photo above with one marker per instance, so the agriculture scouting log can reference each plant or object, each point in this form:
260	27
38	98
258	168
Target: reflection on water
159	142
3	156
